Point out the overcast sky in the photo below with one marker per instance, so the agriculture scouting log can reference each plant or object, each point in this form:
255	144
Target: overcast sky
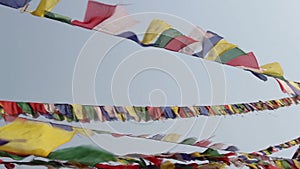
48	61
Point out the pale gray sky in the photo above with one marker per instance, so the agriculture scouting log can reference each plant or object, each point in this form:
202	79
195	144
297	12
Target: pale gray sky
38	58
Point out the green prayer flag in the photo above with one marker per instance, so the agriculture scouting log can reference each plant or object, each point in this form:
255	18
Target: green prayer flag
230	54
189	141
58	17
211	152
27	109
83	154
90	112
142	113
166	37
12	156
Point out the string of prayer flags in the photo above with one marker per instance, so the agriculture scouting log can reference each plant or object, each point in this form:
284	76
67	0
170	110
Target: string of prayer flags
87	113
273	149
114	20
98	158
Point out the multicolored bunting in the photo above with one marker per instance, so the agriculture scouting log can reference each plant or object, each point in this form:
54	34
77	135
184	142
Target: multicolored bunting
22	138
108	18
114	20
86	113
273	149
98	158
34	142
25	137
171	137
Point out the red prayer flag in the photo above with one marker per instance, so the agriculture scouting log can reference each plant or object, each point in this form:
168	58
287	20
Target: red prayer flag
248	60
96	13
38	107
202	143
179	42
11	108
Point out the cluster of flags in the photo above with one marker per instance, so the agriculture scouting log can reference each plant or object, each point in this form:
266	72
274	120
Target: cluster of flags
114	20
40	139
23	138
87	113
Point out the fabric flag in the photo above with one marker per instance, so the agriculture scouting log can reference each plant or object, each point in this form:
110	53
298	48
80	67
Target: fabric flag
198	34
58	17
179	42
83	154
297	154
166	36
273	69
26	108
209	42
44	7
217	146
155	28
248	60
14	3
39	138
173	137
189	141
285	88
221	47
230	54
78	111
202	143
38	107
295	85
132	113
119	21
96	13
192	48
11	108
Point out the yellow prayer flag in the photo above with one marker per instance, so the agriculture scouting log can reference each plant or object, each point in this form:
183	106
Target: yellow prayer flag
175	110
78	110
295	85
197	154
167	165
297	163
173	137
132	113
253	166
278	164
84	131
273	69
221	47
33	138
155	28
216	165
44	6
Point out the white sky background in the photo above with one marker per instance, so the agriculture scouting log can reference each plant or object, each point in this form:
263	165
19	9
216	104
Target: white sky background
38	59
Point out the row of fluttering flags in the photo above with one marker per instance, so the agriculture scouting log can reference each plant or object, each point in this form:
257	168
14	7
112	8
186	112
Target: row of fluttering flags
23	138
114	20
87	113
